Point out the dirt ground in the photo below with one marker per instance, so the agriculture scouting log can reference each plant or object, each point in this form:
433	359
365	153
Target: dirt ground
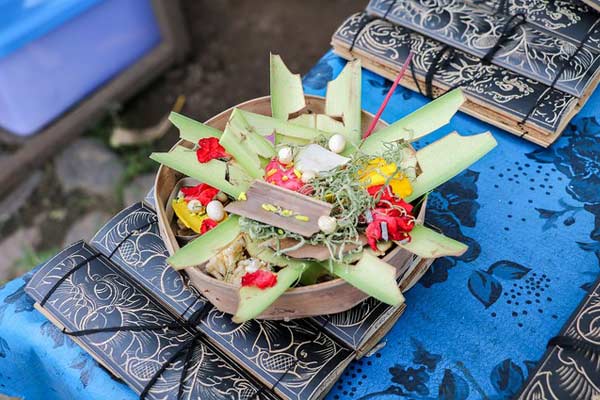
228	63
230	45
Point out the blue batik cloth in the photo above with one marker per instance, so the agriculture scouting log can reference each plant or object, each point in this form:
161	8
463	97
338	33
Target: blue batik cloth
474	326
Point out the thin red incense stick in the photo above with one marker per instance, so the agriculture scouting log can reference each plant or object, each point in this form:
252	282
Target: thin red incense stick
388	96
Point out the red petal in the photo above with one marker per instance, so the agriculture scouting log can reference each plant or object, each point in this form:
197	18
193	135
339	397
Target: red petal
208	195
373	233
406	224
261	278
407	206
207	225
209	149
202	192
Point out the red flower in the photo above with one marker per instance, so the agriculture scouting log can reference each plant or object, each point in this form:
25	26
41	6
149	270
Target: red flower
386	193
209	149
202	192
261	278
398	225
207	225
388	198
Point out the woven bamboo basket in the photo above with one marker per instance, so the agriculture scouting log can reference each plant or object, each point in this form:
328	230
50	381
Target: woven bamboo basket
329	297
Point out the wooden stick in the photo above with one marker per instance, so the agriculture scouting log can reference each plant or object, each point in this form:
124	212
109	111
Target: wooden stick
388	96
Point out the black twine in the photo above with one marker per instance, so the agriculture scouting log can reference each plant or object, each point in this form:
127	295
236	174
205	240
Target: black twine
66	276
435	65
187	346
562	69
392	4
130	234
573	343
87	260
137	328
507	32
198	316
364	21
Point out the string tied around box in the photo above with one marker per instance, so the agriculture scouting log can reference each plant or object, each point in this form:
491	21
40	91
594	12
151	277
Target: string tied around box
187	347
366	19
509	29
576	344
79	265
559	73
446	53
392	4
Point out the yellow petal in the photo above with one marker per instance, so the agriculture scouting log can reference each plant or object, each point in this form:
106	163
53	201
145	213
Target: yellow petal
401	187
192	221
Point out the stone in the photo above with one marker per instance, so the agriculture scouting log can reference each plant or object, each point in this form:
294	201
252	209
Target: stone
86	227
16	198
88	165
137	189
14	247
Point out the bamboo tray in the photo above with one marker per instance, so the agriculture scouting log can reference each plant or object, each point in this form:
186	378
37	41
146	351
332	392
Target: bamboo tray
323	298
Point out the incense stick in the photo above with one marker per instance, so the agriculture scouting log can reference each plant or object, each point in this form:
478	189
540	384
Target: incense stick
388	96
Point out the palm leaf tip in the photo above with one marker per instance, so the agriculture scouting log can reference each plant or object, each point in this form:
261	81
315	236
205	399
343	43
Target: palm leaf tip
446	158
416	125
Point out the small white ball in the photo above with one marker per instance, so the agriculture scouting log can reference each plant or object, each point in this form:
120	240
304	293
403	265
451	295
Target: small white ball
215	210
222	197
308	176
327	224
194	206
285	155
337	143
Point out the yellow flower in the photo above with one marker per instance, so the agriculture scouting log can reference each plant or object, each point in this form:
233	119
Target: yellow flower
378	171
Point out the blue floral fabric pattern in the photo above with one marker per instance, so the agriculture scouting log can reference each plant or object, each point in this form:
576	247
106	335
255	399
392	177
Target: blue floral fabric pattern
474	326
577	157
531	218
37	361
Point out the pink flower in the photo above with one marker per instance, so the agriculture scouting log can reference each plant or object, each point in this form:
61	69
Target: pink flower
283	175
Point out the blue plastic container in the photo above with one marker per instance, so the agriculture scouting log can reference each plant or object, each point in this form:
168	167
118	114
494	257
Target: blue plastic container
53	53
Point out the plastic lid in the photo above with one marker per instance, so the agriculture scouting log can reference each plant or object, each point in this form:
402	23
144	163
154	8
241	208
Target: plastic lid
23	21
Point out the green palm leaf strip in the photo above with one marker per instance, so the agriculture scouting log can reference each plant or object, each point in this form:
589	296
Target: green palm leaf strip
287	94
253	301
202	249
191	130
285	132
372	276
427	243
248	148
446	158
414	126
213	173
343	100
